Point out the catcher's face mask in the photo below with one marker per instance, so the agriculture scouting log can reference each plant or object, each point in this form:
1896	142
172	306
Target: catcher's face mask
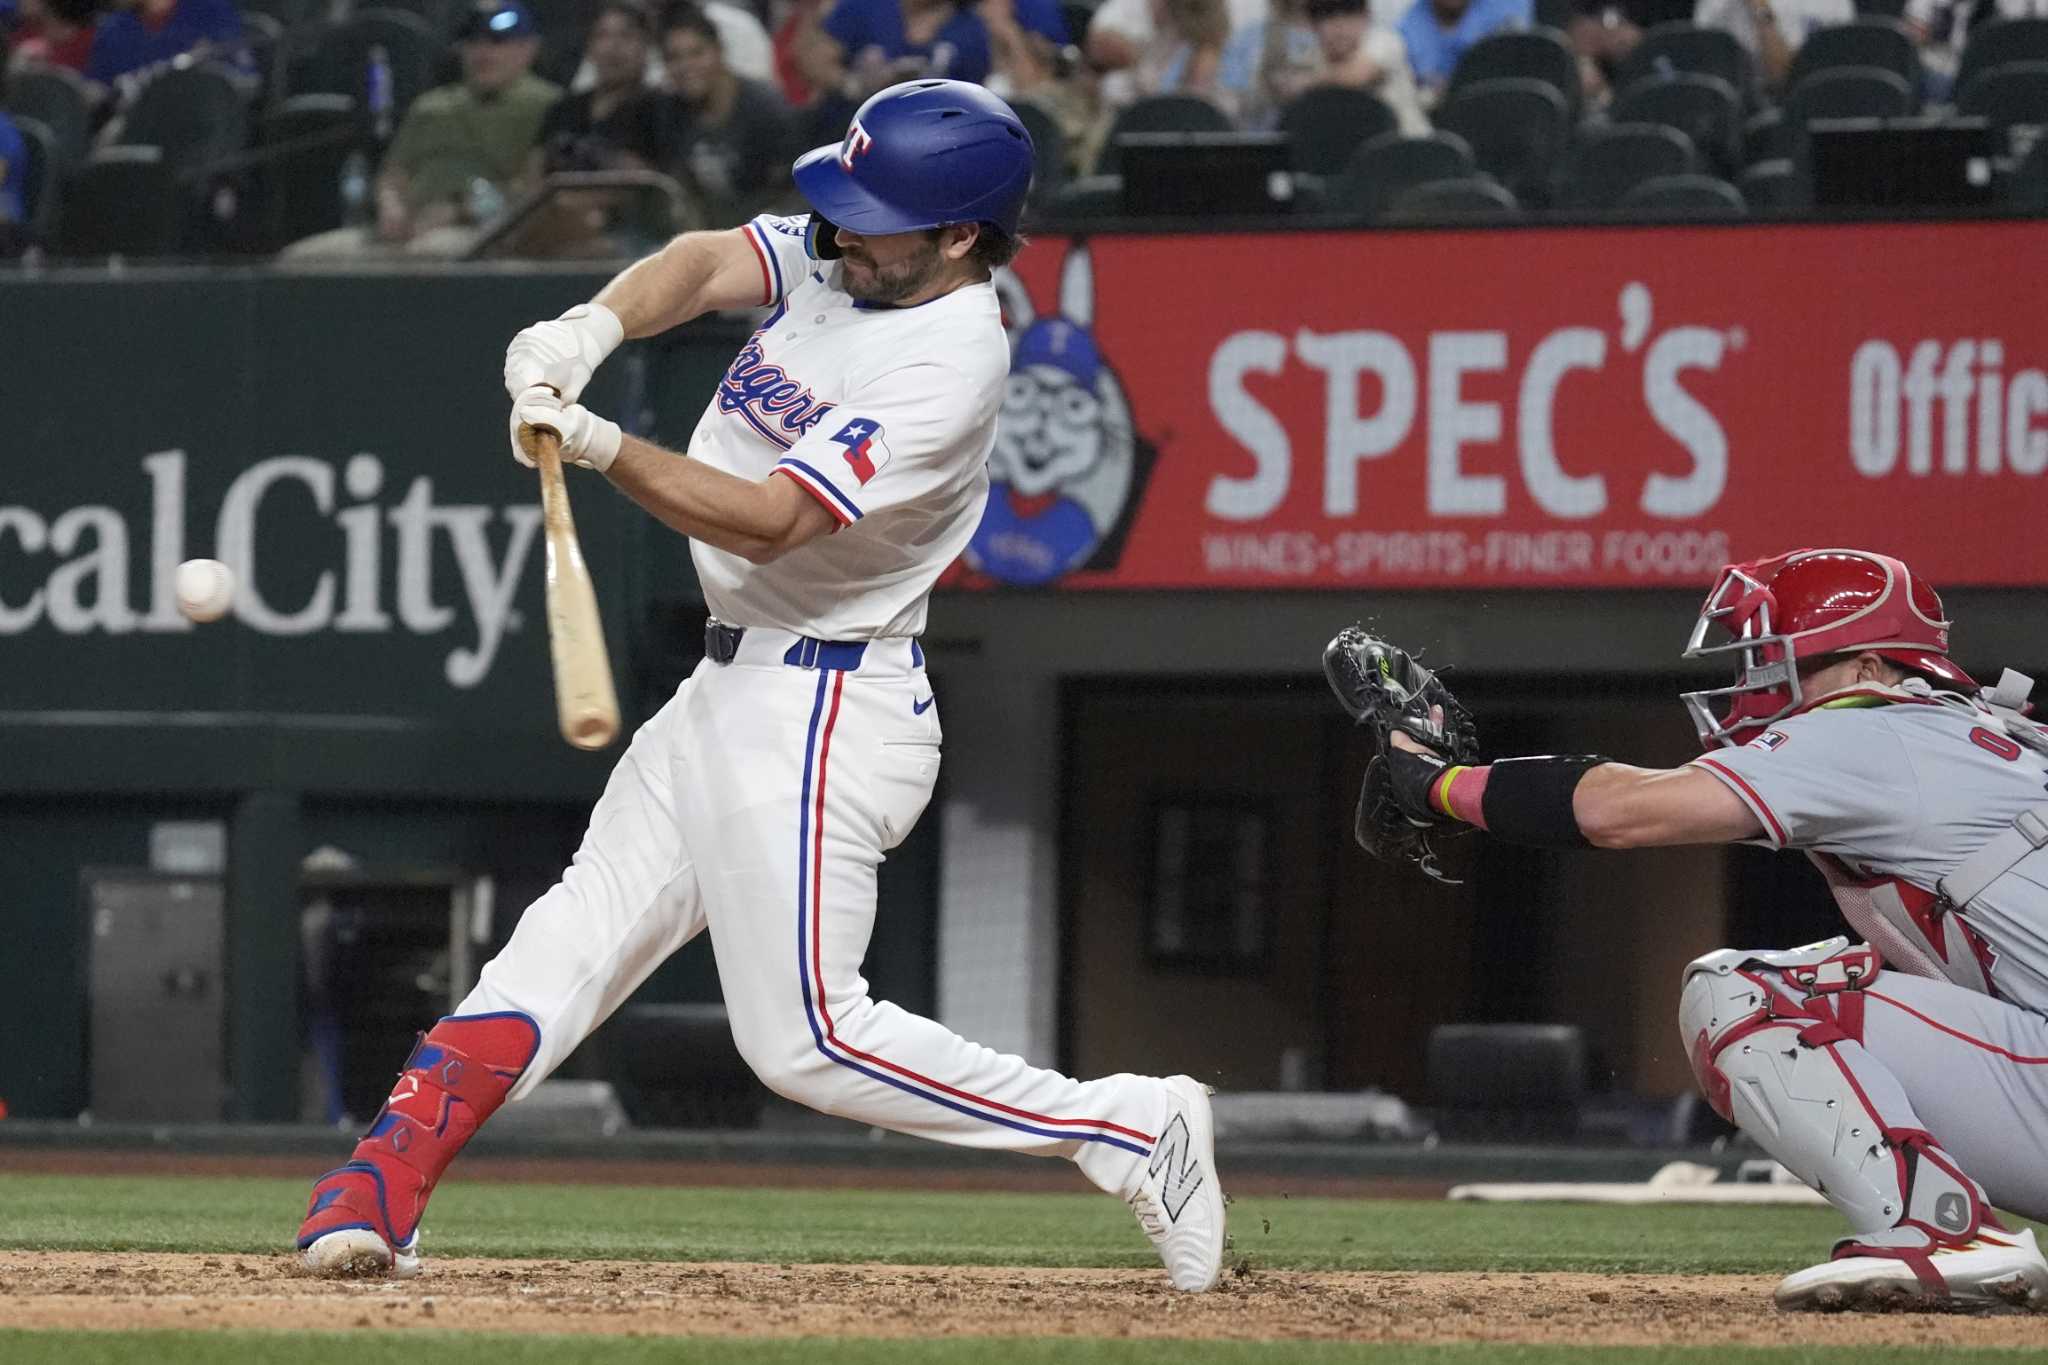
1766	688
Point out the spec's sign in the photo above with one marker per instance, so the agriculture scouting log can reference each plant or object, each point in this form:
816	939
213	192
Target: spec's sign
1614	407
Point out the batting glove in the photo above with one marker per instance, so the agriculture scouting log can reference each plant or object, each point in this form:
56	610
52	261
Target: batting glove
587	439
564	353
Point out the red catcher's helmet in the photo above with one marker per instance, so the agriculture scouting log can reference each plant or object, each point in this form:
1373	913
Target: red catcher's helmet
1797	608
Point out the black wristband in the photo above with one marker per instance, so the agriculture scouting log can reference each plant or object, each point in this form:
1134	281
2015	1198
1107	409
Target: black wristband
1529	800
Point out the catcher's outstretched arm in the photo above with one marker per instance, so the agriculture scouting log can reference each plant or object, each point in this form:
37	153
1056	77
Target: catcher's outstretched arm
1612	805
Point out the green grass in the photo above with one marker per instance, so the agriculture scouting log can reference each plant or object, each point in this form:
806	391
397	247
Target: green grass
686	1224
234	1348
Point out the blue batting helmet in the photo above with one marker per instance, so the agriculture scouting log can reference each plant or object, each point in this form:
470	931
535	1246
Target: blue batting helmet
923	154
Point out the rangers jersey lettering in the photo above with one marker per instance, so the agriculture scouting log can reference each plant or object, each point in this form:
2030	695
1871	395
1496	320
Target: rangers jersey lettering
885	415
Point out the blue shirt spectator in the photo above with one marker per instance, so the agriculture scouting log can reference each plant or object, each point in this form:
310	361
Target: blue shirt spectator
1439	31
155	31
958	50
13	173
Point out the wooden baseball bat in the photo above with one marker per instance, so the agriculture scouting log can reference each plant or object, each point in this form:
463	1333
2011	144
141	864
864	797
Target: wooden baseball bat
585	703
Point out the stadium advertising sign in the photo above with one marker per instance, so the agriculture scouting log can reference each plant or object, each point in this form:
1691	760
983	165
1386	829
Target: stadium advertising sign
1611	407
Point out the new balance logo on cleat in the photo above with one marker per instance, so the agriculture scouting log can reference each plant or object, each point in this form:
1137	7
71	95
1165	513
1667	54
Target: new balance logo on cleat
1175	1155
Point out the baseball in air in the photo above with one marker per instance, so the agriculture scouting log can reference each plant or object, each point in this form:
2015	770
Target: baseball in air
206	589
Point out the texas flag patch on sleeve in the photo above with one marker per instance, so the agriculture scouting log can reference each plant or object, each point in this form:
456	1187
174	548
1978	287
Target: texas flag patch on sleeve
863	448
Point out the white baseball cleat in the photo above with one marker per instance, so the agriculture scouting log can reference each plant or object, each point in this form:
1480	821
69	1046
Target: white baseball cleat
1995	1270
1179	1202
360	1254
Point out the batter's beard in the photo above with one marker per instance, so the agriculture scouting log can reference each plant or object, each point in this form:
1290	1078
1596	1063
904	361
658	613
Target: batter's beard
891	284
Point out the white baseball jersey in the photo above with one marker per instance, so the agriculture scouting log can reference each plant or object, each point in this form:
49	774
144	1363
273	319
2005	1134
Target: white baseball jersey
1889	798
884	415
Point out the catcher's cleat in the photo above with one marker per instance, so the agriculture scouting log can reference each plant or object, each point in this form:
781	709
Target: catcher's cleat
1995	1270
1178	1201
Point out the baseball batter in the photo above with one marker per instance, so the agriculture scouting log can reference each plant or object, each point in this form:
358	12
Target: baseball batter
1906	1077
837	471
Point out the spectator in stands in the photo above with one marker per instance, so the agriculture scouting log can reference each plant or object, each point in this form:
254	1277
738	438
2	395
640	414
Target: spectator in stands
1367	56
1268	63
1438	32
730	138
614	125
1772	30
463	150
1024	61
13	173
749	51
1941	27
140	36
863	45
1185	56
792	38
55	32
1123	33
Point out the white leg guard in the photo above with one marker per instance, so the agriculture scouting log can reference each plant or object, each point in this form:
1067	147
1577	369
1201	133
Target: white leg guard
1775	1039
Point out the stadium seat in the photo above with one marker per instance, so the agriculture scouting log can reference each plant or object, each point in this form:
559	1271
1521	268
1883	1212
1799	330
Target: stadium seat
1766	137
335	59
300	188
1088	197
40	178
1847	92
1391	163
1048	149
1607	161
289	14
2016	92
1515	126
2026	189
1702	107
1326	124
1684	196
122	201
1467	198
1881	9
1999	41
1687	49
55	98
1880	43
1538	54
1161	114
1775	186
195	114
441	16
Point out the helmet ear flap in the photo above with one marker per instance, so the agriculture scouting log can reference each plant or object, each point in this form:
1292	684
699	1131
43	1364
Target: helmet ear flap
821	238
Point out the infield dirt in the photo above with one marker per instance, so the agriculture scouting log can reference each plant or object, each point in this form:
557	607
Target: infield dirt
141	1290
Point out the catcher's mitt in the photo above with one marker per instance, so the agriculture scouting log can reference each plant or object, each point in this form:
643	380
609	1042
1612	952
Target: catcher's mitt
1385	690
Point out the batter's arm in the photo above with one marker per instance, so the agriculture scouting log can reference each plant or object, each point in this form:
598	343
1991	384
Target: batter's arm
759	522
696	273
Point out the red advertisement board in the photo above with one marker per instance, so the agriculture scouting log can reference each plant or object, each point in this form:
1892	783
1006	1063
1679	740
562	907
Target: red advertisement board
1599	407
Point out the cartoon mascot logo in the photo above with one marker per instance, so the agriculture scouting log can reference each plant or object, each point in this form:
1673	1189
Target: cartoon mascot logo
1068	463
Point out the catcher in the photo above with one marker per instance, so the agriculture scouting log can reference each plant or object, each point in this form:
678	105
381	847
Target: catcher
1905	1077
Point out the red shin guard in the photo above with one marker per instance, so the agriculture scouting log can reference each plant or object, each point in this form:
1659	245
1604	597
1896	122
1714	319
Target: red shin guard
457	1076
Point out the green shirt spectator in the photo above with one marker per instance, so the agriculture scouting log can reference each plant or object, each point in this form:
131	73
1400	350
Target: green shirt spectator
458	134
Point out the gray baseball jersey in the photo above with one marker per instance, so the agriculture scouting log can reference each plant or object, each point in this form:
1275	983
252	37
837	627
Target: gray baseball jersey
1889	790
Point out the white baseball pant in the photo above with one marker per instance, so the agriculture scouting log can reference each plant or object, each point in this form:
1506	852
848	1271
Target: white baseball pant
758	803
